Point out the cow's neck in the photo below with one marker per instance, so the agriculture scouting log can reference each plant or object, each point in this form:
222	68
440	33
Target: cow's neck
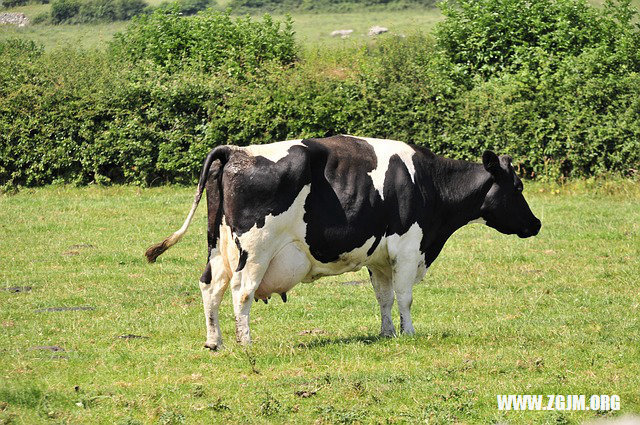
460	189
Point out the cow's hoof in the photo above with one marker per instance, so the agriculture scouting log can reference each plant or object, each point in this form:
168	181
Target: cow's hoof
388	334
212	346
409	331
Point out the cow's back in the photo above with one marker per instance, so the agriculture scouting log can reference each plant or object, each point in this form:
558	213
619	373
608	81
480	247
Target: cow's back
344	216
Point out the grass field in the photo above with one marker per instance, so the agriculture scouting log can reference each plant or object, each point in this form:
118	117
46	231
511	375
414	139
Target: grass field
554	314
311	29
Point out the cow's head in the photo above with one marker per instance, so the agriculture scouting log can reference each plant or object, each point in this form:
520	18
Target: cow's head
504	207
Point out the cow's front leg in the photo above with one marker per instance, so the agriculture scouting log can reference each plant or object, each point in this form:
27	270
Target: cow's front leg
213	284
383	288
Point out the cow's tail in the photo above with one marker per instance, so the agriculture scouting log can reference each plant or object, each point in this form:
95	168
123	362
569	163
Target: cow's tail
220	153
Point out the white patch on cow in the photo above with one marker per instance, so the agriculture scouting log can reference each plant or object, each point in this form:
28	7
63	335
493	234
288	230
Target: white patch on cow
478	220
347	262
281	244
272	151
280	239
384	150
409	268
405	255
287	268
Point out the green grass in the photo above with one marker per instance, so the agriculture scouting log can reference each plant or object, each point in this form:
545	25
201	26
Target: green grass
554	314
66	36
311	29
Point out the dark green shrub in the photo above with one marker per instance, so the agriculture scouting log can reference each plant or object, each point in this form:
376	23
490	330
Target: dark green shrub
173	87
13	3
212	41
127	9
20	48
41	18
64	10
190	7
85	11
96	11
486	37
552	82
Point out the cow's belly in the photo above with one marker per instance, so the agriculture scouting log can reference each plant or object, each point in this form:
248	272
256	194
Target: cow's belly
348	262
294	264
287	268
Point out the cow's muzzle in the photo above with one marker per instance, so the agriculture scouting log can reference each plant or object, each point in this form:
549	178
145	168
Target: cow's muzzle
531	230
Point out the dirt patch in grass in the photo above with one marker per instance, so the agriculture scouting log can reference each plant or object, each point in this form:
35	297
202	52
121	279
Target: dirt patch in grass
54	348
18	289
132	336
53	309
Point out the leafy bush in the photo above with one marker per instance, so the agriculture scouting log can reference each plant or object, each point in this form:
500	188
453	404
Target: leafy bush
41	18
84	11
553	82
64	10
486	37
109	10
189	7
12	3
212	41
21	48
96	11
127	9
173	87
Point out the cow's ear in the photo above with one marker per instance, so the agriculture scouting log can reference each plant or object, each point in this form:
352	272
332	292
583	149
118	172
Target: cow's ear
491	163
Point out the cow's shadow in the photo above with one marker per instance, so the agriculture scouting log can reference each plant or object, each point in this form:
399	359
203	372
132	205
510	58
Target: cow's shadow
356	339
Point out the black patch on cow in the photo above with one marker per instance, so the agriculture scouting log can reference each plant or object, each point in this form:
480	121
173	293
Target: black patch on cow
214	206
206	275
403	200
255	187
451	192
242	259
343	209
376	242
284	297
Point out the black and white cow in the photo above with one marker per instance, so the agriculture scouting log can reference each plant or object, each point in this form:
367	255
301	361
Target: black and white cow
294	211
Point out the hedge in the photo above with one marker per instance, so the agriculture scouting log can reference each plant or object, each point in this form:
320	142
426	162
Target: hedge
135	115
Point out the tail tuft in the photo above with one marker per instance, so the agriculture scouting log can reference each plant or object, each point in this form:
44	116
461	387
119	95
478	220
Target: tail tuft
154	251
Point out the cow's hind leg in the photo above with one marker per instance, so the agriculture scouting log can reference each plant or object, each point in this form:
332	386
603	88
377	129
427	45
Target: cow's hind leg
213	284
383	288
244	283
